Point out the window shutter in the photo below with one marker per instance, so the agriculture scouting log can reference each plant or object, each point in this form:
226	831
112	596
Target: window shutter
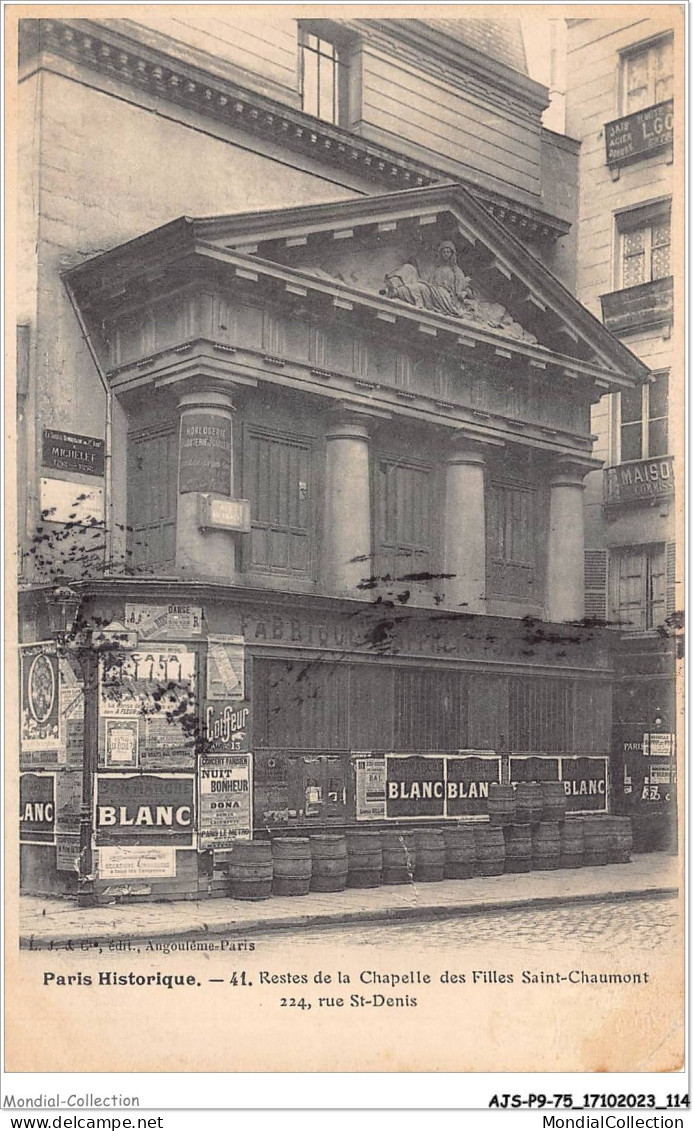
596	572
671	579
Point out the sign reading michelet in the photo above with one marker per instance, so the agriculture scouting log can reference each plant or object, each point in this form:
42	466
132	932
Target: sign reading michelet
145	808
411	786
40	697
66	451
156	622
204	461
37	808
225	811
639	134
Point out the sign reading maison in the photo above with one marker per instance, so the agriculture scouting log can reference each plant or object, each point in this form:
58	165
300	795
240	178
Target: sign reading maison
640	480
66	451
639	134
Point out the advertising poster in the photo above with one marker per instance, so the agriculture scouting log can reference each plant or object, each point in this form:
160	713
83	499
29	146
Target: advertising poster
37	808
225	667
370	775
40	698
71	711
145	808
158	689
156	622
119	862
225	800
227	726
68	807
121	742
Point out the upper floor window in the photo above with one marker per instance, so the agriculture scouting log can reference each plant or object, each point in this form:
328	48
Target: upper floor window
644	411
511	540
324	74
278	480
404	520
644	244
152	482
639	586
647	75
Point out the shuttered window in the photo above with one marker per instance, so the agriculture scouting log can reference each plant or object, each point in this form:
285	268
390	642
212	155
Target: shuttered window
640	586
596	576
511	537
671	579
278	480
403	507
152	493
540	714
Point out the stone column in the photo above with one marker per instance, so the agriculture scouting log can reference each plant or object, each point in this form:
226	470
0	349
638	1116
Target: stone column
347	539
205	467
464	528
565	572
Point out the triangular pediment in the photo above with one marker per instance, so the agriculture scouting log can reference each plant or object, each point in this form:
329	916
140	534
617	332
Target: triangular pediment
392	247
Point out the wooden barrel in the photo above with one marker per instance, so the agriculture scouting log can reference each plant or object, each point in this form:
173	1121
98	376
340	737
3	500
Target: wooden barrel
501	804
620	839
490	849
430	856
554	801
364	859
528	802
572	843
460	852
597	836
250	870
546	846
330	865
399	856
518	848
292	861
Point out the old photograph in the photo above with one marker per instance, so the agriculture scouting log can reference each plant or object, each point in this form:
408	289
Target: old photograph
345	540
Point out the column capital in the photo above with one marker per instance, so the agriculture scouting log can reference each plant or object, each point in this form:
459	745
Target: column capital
469	447
570	471
350	422
207	398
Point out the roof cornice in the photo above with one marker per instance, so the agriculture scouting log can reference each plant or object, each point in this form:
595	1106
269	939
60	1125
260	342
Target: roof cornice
123	57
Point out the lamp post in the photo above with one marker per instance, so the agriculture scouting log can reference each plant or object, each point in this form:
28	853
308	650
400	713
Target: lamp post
63	604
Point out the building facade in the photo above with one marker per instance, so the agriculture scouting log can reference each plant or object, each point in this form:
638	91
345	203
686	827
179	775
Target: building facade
621	107
304	423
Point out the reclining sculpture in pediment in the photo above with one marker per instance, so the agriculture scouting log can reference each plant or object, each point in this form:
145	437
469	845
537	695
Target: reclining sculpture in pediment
449	291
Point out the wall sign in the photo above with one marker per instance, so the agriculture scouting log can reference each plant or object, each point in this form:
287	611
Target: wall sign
143	862
225	800
586	783
204	461
145	809
370	788
62	500
639	134
37	808
66	451
40	697
646	479
156	622
227	726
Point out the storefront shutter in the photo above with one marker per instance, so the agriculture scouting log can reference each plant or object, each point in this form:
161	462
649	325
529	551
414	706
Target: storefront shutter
596	574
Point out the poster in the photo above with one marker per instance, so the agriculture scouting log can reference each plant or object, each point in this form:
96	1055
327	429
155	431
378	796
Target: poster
225	800
144	808
120	862
370	788
68	809
37	808
225	667
40	698
156	622
121	742
227	726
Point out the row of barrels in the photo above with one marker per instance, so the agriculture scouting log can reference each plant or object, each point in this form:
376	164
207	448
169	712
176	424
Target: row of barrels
366	859
527	802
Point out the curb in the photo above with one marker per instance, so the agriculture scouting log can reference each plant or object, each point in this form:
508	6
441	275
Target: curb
371	915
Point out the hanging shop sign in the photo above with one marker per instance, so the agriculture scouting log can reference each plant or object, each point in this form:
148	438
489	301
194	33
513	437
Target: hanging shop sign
640	134
227	726
37	808
224	800
145	809
225	667
121	742
204	460
160	622
118	862
68	804
40	698
66	451
401	787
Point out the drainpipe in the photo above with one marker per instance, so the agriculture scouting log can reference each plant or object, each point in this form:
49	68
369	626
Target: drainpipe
108	436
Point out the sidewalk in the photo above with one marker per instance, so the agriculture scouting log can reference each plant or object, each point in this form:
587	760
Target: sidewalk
56	922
